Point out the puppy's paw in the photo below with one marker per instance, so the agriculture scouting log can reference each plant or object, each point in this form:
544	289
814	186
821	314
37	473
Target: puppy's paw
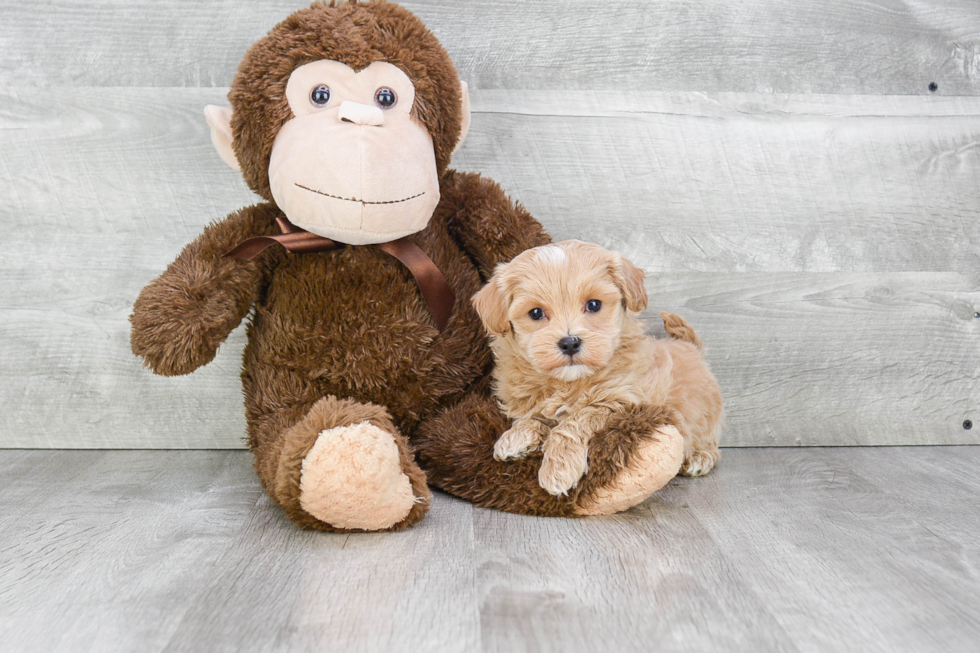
700	462
562	468
519	440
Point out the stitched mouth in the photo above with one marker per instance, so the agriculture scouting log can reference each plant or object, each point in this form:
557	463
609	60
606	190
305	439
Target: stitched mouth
360	201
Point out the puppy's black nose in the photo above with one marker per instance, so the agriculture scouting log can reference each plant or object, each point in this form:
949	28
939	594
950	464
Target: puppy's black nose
570	345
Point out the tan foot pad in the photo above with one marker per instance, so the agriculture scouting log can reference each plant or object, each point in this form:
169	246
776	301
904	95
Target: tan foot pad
651	467
352	478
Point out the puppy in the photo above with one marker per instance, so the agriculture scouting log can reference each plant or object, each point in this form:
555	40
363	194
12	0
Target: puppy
570	353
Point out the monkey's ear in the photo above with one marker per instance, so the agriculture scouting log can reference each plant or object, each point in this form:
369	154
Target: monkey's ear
491	306
465	108
219	119
629	278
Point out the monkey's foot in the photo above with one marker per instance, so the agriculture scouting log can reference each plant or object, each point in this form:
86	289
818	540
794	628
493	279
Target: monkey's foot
345	467
651	467
352	479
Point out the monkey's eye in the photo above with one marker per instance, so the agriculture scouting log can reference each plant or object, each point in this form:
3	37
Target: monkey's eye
593	306
536	314
320	96
385	97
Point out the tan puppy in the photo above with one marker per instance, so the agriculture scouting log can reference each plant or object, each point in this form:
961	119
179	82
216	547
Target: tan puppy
570	352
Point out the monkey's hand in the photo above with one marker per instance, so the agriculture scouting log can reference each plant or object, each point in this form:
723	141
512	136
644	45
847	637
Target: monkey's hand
181	318
490	226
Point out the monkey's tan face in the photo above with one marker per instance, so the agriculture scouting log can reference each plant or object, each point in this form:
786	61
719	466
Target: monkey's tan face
353	164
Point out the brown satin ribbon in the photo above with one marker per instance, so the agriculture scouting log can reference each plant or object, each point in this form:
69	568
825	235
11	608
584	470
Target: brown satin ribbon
438	296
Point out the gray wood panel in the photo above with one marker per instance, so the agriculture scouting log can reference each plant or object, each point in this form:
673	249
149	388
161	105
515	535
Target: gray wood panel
803	359
824	246
821	46
746	182
836	358
844	528
652	579
408	591
730	182
860	549
111	548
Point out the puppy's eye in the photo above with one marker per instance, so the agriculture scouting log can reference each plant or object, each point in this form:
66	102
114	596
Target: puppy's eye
593	306
536	314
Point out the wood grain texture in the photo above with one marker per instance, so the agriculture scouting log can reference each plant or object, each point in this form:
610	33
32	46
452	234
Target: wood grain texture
803	359
110	550
651	579
728	182
822	46
747	183
841	358
824	246
833	530
282	590
809	550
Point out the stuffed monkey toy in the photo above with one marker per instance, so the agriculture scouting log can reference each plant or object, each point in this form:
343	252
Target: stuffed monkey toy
366	373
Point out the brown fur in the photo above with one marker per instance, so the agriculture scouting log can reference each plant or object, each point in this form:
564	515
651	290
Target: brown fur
316	333
340	337
558	402
463	464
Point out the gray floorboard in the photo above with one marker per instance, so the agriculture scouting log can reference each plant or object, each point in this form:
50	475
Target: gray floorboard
831	549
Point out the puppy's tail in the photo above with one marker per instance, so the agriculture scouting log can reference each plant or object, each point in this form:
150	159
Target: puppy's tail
676	327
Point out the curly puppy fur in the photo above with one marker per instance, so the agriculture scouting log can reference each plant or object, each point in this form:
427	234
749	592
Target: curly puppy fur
570	353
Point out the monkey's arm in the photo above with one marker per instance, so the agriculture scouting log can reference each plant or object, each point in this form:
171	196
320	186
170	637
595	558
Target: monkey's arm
182	316
487	224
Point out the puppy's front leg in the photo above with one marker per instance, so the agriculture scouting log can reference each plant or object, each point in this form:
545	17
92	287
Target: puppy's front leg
566	451
522	438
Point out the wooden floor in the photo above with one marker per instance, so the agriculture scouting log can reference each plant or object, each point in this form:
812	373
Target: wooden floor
860	549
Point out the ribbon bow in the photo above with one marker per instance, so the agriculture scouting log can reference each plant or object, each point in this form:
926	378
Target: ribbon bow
439	297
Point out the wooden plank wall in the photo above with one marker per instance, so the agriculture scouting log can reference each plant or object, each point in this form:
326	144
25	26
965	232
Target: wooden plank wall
780	168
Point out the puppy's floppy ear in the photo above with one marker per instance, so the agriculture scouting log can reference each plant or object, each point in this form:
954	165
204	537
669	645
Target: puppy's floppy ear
491	305
629	278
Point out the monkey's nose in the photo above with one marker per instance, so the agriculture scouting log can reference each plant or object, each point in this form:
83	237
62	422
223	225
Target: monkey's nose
360	114
570	345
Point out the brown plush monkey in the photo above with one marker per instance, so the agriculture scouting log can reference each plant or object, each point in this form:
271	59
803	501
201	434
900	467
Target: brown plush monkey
343	119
